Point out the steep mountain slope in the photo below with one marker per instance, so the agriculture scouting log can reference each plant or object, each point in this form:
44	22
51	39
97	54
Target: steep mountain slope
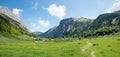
108	19
50	32
10	23
67	27
104	24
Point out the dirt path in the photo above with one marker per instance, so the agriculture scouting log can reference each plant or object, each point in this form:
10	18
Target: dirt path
86	46
93	54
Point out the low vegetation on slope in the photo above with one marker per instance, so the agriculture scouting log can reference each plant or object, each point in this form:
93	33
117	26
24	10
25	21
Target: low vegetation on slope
104	46
7	27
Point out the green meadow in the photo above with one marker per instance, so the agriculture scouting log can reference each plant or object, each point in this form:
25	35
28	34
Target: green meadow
25	46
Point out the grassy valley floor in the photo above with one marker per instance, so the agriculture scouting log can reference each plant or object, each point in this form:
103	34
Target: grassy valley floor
24	46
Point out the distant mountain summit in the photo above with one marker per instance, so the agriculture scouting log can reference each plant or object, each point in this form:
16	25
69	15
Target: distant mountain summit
37	33
68	26
11	23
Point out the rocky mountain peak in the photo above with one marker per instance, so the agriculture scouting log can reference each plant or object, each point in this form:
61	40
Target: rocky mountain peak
82	19
12	18
6	11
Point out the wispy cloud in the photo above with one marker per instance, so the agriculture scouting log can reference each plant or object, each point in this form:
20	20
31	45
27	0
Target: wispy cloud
34	27
58	11
17	11
40	25
44	23
115	7
35	6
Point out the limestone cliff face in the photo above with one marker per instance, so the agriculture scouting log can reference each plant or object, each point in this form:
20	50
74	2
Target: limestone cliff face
68	26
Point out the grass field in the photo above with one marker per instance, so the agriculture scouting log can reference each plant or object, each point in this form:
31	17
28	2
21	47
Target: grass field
24	46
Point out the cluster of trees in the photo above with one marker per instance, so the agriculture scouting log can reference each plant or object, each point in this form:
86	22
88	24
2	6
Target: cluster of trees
98	32
101	31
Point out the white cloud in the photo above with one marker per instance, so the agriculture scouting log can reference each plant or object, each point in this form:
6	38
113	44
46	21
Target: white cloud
44	23
58	11
34	27
117	0
17	11
115	7
40	25
35	6
91	17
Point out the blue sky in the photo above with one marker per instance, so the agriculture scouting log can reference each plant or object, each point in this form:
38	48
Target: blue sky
40	15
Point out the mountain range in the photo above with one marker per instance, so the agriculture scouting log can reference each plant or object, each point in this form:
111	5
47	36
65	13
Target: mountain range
104	24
